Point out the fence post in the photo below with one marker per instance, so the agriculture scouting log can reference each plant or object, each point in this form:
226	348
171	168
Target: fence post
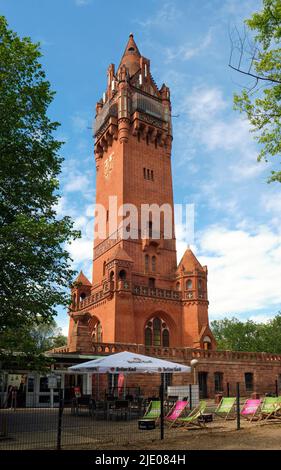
238	405
162	407
61	404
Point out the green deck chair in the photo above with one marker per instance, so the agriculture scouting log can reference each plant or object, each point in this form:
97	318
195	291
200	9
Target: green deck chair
193	419
225	407
270	408
153	411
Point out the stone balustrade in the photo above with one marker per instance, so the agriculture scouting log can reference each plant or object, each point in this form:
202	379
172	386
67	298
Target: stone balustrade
156	292
185	354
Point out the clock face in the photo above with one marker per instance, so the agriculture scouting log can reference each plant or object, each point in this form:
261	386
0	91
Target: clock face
108	165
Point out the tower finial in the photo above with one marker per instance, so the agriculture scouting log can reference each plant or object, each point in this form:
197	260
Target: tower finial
131	56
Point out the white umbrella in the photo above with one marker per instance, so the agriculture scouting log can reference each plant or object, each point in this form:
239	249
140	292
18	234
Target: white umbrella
128	362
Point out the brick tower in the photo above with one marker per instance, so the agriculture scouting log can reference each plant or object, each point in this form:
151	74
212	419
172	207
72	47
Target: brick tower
138	293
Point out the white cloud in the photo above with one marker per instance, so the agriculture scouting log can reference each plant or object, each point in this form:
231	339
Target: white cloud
202	103
244	269
81	250
165	16
77	182
188	50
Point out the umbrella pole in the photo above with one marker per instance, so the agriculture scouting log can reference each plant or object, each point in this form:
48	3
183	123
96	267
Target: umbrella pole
162	407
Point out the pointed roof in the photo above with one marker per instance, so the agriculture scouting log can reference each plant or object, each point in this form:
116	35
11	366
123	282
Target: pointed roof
189	261
120	254
82	279
131	56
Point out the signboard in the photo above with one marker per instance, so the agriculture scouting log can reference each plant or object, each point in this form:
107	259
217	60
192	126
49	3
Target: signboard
14	380
52	381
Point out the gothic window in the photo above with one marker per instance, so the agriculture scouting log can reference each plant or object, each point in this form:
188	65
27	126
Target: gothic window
144	173
178	286
148	337
152	175
97	333
122	275
146	263
153	263
151	283
82	296
111	277
156	333
165	338
103	268
200	284
189	284
207	343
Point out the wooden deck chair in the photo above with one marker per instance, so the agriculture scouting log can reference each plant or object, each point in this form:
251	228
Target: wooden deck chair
193	419
225	407
153	411
270	409
250	409
175	412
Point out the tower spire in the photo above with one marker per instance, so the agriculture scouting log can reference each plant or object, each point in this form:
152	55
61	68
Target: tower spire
131	56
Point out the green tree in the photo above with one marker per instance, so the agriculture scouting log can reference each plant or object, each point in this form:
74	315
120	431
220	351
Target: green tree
233	334
261	61
24	346
35	265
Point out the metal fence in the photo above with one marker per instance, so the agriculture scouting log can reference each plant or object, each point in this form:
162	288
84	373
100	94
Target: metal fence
109	421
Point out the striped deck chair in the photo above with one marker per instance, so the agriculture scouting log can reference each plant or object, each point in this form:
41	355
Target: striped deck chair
153	411
175	412
270	409
250	409
225	407
193	419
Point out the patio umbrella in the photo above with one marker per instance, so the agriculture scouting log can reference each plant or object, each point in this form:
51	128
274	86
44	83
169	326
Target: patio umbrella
129	363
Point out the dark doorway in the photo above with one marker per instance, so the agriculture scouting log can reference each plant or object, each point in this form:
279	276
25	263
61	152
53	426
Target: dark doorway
203	388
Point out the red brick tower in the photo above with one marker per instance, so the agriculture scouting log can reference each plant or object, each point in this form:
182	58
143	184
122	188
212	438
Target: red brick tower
138	293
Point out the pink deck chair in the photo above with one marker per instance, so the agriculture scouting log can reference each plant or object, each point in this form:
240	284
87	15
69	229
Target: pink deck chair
175	412
250	408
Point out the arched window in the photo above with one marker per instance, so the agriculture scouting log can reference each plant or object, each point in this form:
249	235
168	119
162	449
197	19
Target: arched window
148	337
153	263
200	284
82	296
156	333
189	284
103	268
165	338
122	275
97	333
207	343
111	276
178	286
146	263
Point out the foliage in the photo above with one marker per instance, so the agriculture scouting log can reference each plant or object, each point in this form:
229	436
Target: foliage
24	346
261	102
35	265
233	334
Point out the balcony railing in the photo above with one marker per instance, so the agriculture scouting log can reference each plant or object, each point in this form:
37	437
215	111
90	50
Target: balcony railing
186	354
156	292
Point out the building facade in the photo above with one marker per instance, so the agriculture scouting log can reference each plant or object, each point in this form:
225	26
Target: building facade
139	298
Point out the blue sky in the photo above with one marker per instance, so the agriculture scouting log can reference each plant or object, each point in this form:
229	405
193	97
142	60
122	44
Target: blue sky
237	224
